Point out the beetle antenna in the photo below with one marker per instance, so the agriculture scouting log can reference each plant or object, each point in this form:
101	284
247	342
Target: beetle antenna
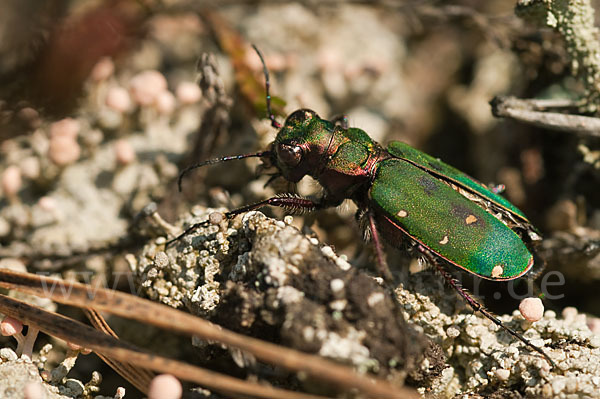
274	123
218	160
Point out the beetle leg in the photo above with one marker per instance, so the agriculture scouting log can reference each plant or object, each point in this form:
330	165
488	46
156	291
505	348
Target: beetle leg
539	264
290	202
477	307
381	262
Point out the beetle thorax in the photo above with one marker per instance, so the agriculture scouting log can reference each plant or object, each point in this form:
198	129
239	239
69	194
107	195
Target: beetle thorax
342	160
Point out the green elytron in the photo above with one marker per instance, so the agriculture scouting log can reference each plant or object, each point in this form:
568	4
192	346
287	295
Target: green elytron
405	195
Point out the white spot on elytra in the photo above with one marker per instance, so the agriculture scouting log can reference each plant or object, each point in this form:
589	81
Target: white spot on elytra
402	213
444	240
497	271
470	219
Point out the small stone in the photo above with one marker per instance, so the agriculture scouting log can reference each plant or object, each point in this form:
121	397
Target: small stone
67	127
188	92
452	332
532	309
146	86
161	260
216	218
308	333
14	264
165	386
63	150
118	99
165	102
30	167
11	181
375	298
550	314
47	203
10	326
328	251
547	391
75	387
558	385
8	354
593	324
569	313
124	152
502	374
336	285
103	69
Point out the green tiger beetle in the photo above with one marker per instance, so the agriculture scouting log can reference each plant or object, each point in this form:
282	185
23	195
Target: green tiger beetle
402	193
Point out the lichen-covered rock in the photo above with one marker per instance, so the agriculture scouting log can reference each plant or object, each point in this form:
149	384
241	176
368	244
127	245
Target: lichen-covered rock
263	277
486	359
17	375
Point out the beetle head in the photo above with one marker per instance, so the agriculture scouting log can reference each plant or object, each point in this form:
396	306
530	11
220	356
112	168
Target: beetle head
300	144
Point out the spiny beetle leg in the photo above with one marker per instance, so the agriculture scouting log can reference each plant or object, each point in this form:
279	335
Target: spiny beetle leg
477	307
290	202
381	262
539	265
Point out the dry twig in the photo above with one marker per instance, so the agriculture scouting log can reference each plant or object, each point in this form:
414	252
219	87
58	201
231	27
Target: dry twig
136	308
536	112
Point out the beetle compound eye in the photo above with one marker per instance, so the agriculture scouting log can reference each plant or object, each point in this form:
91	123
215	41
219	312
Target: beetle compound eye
290	155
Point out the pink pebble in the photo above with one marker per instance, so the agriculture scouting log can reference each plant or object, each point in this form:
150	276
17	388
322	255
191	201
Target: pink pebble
11	181
165	386
124	152
532	309
10	326
165	102
118	98
64	150
47	203
593	324
146	86
188	93
33	390
103	69
67	127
